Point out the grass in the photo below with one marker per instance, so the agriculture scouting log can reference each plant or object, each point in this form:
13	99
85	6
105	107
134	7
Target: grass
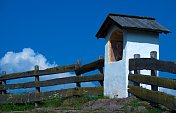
16	107
72	103
55	102
149	108
45	112
134	103
66	103
77	102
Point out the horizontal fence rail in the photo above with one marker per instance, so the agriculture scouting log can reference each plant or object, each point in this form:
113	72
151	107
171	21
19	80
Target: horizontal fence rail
154	95
152	64
49	71
32	97
152	80
90	67
56	70
37	84
52	82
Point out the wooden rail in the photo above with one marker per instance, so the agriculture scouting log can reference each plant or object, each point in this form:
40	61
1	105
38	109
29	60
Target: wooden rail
37	96
153	95
49	71
90	67
152	64
152	80
56	70
52	82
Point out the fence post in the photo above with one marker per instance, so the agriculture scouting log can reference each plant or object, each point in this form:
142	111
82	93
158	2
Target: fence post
136	71
153	54
37	88
101	71
4	83
78	65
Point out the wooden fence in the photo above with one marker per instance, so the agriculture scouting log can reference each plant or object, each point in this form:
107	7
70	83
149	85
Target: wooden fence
152	95
37	84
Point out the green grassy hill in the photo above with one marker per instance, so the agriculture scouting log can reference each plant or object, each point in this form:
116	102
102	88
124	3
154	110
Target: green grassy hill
84	105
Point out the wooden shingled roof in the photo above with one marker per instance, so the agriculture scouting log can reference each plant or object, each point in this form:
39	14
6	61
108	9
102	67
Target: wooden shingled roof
131	22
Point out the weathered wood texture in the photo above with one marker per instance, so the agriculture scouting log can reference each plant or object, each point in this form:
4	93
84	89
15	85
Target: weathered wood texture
25	98
78	65
153	80
3	83
154	96
37	79
101	82
152	64
55	70
38	96
136	71
58	81
153	54
90	67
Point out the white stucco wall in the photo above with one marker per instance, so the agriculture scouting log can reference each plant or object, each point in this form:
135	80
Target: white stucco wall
116	73
142	43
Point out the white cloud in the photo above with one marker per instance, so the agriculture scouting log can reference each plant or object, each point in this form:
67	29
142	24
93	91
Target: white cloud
23	61
26	60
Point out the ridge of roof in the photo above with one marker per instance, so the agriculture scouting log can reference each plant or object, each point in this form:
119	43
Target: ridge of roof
132	16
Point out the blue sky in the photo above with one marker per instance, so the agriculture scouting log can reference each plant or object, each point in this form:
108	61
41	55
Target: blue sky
64	31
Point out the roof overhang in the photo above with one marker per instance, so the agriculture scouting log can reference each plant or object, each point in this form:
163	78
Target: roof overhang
112	20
